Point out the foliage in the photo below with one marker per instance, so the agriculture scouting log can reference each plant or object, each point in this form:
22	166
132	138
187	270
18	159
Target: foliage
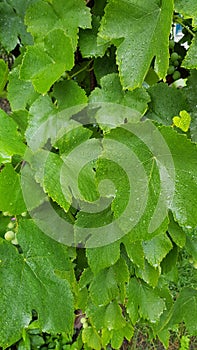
98	172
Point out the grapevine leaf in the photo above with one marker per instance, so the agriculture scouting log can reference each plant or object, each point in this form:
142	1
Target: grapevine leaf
69	94
149	274
91	338
56	57
43	17
10	141
88	41
113	317
104	287
156	249
182	122
190	61
165	103
11	197
21	94
11	27
176	233
187	8
20	6
117	338
102	257
135	251
144	300
34	284
3	74
190	92
185	310
184	154
147	23
111	92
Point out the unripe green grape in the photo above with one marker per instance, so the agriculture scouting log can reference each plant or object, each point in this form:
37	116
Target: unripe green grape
14	241
176	75
9	235
170	70
24	214
176	63
11	225
174	56
171	44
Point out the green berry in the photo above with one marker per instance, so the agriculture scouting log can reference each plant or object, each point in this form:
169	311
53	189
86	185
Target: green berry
176	75
14	241
171	70
11	225
24	214
174	56
176	63
9	235
171	44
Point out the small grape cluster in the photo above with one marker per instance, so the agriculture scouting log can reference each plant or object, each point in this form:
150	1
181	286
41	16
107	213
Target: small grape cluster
10	234
174	62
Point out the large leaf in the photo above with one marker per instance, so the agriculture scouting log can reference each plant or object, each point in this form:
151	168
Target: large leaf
31	281
143	30
10	141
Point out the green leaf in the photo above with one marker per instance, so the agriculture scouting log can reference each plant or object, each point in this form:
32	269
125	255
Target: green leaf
21	94
157	248
185	310
3	74
102	257
88	41
149	274
42	17
56	56
190	92
33	284
104	287
182	122
111	92
166	102
187	9
10	141
135	251
176	233
11	27
144	300
143	31
190	61
113	317
69	94
11	197
91	338
105	65
184	154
